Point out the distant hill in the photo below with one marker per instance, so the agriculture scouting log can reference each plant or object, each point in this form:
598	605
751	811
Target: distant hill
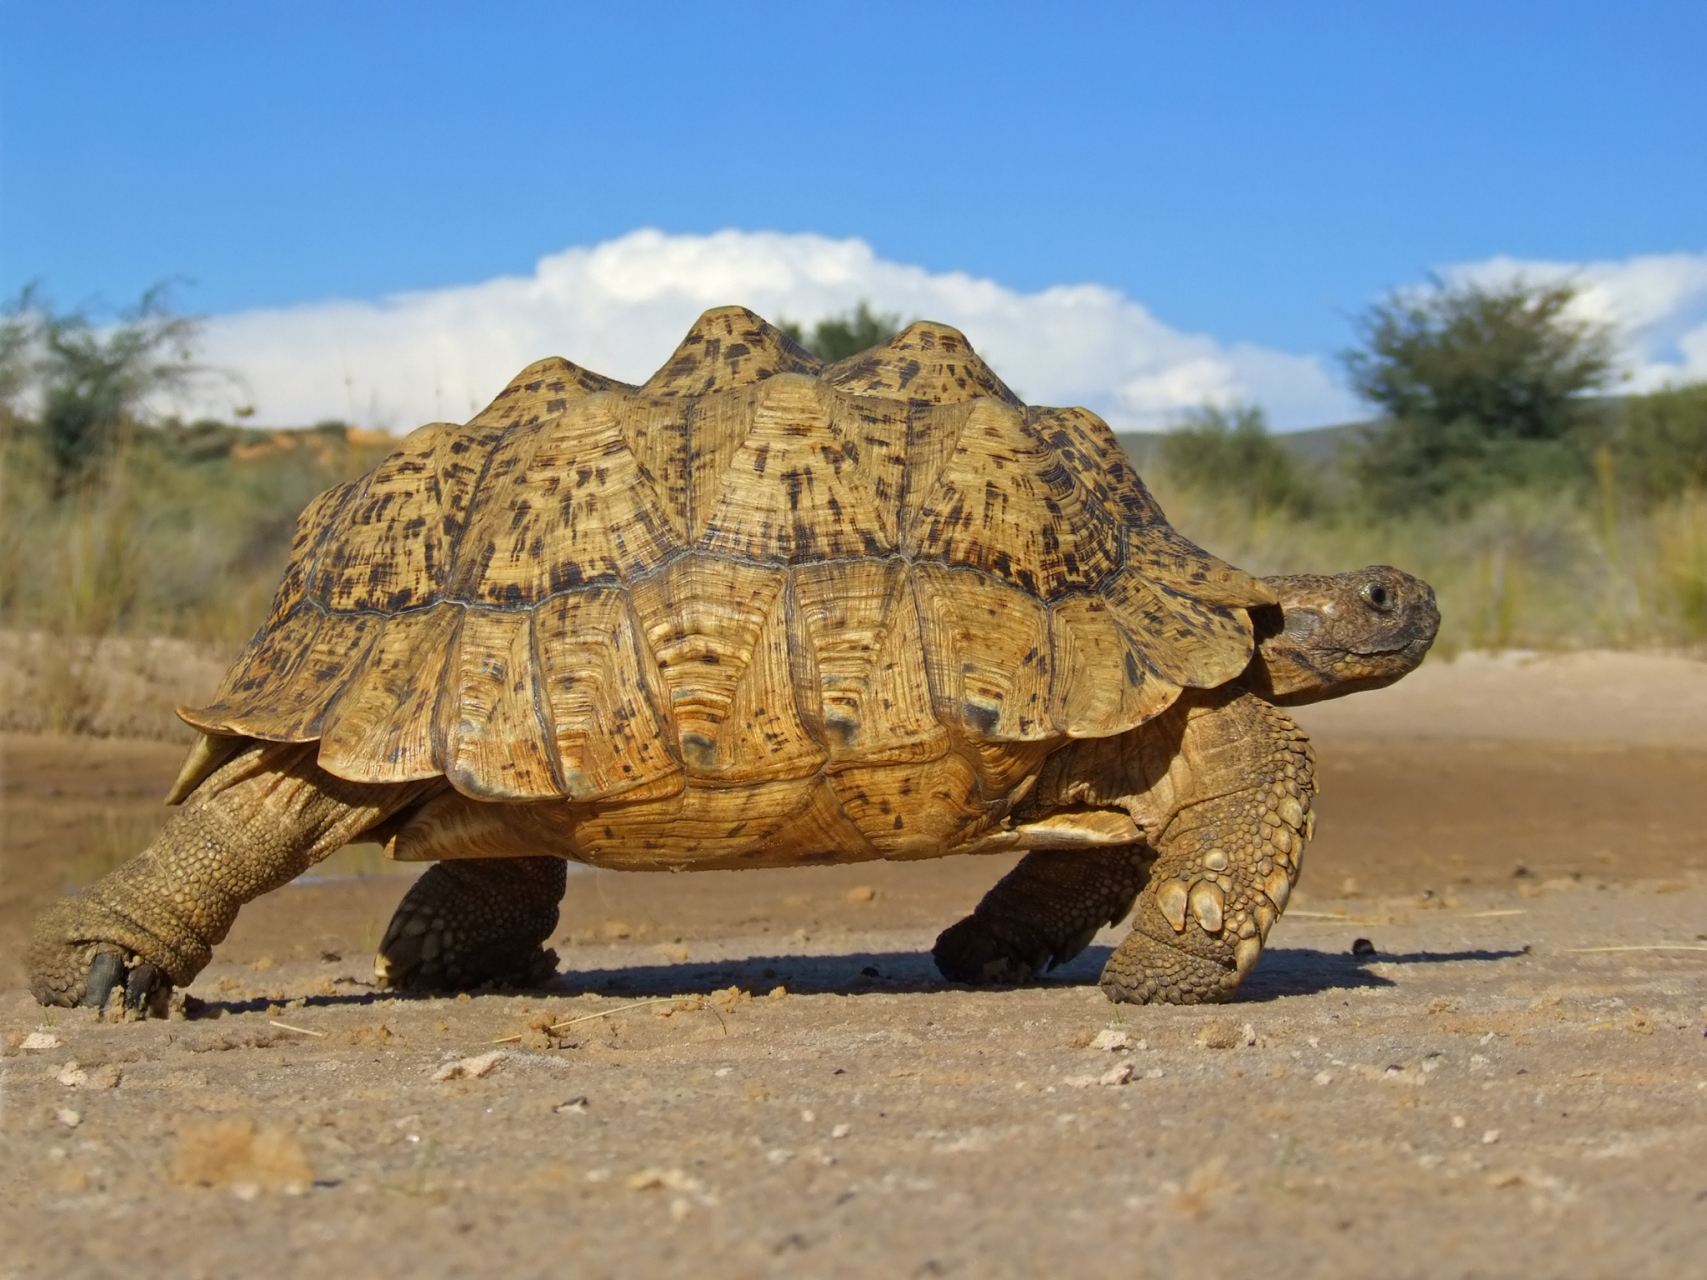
1317	447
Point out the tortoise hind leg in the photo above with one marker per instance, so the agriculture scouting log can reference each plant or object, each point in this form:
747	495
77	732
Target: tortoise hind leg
257	822
1042	913
472	921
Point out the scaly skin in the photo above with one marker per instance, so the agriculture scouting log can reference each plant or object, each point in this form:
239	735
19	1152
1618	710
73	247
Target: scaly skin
1042	913
257	823
1228	858
465	923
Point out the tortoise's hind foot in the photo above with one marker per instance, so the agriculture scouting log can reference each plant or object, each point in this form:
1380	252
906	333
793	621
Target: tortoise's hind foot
1042	914
74	960
474	923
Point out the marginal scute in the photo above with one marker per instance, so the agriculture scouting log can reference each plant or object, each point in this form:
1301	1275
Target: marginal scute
888	575
381	728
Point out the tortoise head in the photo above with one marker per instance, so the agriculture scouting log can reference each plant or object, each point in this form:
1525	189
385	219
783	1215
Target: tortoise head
1332	635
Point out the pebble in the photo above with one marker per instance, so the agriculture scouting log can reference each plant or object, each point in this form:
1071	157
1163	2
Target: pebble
1110	1039
69	1118
41	1040
471	1068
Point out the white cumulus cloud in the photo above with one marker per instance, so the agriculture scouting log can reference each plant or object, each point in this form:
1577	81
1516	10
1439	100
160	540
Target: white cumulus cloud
1656	303
621	307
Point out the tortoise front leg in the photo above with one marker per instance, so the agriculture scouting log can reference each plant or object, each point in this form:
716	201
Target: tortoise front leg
1228	857
1042	913
257	823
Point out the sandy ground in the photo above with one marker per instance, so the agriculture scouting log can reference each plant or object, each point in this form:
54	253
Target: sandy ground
760	1073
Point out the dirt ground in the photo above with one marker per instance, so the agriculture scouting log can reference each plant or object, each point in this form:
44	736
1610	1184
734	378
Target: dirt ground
753	1074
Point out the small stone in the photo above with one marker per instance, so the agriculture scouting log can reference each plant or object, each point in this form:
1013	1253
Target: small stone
862	893
573	1107
1322	1078
1116	1075
841	1131
1362	947
778	993
67	1117
1219	1033
808	1116
1110	1039
38	1040
474	1068
1490	1137
1458	1122
72	1075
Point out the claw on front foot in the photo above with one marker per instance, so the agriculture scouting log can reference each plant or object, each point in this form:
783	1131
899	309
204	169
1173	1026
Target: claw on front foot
1145	970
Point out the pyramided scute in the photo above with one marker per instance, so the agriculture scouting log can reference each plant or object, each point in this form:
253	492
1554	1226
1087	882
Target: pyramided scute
755	588
728	347
926	362
542	390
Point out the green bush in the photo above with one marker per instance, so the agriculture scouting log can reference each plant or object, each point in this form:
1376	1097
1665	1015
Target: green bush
1230	452
1660	449
838	337
1481	388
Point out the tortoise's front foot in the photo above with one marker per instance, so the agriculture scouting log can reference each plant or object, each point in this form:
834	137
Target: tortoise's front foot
1174	968
1042	914
81	955
469	923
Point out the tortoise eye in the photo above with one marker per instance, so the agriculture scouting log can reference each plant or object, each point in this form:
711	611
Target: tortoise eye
1378	597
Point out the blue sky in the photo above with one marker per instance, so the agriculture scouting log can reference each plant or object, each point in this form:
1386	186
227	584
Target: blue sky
1253	173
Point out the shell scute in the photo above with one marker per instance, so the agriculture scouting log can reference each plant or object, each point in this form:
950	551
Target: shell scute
746	590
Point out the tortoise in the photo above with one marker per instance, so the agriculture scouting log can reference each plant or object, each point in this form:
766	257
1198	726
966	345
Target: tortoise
758	612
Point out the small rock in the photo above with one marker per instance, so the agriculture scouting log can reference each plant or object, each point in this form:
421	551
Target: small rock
573	1107
73	1075
778	993
1362	947
40	1040
67	1117
1490	1137
1118	1074
1110	1039
1322	1077
841	1131
862	893
1220	1033
471	1068
233	1153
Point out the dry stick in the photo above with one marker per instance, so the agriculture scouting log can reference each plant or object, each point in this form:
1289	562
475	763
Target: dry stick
1662	946
621	1008
301	1031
